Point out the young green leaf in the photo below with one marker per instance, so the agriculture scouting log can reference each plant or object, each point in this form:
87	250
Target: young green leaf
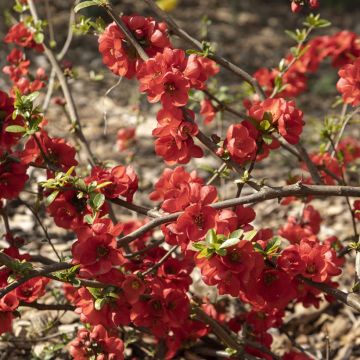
229	242
15	129
85	4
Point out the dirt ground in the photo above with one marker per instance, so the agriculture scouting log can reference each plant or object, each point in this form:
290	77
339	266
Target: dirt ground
251	34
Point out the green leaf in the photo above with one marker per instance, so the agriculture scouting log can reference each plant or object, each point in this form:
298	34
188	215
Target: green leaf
39	37
32	97
292	35
84	5
236	234
229	242
15	129
221	252
267	139
210	237
98	200
265	125
88	219
273	245
51	197
99	303
249	235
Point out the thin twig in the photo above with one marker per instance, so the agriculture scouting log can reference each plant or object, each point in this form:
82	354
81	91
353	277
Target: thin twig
161	261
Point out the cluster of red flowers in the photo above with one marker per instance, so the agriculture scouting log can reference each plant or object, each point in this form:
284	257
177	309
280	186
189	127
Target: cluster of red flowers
150	289
332	167
342	47
97	344
166	76
18	71
297	5
349	83
27	292
22	36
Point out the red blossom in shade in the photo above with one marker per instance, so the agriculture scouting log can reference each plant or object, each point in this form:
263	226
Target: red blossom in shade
273	289
349	83
123	181
68	210
165	309
119	55
125	137
208	111
97	344
12	178
357	209
20	35
350	149
9	302
32	289
95	250
133	287
241	146
297	5
281	114
293	355
6	318
114	312
57	151
174	188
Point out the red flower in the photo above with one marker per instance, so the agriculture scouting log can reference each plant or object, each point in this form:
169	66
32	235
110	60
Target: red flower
18	67
198	69
12	178
125	137
32	289
281	114
119	55
20	35
97	344
68	210
133	287
208	111
349	83
297	5
175	150
95	250
195	222
357	209
174	188
239	143
123	181
57	151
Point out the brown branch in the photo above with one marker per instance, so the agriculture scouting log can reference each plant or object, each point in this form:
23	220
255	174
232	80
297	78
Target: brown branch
313	170
57	307
42	271
161	261
42	227
350	299
266	193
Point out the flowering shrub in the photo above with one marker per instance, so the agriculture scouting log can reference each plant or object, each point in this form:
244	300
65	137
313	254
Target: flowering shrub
125	280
